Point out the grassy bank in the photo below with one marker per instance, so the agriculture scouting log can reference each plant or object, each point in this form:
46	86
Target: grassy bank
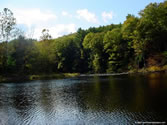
150	69
18	78
51	76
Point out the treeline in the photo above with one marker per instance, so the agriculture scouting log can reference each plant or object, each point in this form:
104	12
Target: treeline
138	42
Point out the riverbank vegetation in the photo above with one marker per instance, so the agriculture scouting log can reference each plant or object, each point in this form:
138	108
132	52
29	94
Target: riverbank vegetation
139	43
21	78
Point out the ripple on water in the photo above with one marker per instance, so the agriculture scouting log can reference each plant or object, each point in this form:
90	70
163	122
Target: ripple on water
85	100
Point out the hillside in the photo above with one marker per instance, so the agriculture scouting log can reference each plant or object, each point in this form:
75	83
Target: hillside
140	42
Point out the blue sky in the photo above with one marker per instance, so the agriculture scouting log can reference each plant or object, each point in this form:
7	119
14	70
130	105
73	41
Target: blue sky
66	16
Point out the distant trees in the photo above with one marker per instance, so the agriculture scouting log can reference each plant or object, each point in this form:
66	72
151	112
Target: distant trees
19	50
94	43
115	47
112	48
67	54
7	23
149	36
3	58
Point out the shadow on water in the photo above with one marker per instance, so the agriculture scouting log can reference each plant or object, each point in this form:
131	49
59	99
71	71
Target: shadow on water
121	99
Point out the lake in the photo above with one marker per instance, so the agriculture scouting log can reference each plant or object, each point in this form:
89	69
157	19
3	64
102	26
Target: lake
85	100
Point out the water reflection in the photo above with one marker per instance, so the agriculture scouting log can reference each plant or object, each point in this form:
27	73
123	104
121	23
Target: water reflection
85	100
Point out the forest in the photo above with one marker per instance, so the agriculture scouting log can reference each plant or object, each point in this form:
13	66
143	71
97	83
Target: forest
137	43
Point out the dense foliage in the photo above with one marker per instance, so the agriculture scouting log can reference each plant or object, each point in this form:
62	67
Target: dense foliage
136	43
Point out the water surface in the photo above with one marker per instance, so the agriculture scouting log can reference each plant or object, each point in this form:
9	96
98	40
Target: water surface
123	99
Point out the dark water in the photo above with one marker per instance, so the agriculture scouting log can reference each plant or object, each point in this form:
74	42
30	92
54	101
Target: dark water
115	100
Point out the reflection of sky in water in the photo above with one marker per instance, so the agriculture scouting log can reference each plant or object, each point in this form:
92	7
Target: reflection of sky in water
85	100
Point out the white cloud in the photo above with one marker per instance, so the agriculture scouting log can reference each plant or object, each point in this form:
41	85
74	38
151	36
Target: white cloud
64	13
33	16
60	29
86	15
35	20
107	16
57	30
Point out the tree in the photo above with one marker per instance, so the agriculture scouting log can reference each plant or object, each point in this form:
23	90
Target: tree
66	53
152	28
45	57
128	28
45	35
116	48
150	34
7	24
2	57
128	34
82	60
20	54
93	43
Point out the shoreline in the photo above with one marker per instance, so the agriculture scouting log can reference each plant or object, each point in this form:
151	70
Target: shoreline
151	69
22	78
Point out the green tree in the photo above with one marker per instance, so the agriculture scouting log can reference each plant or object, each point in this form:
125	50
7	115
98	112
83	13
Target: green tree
116	48
128	29
66	53
150	35
2	57
93	43
45	56
128	34
7	25
83	59
18	52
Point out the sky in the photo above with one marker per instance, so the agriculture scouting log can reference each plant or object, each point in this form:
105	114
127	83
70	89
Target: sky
63	17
